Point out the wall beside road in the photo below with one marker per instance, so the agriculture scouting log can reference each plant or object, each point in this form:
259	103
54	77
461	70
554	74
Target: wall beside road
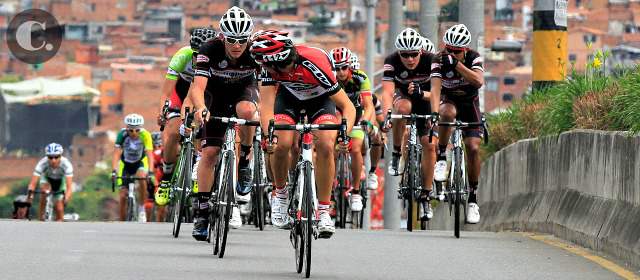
582	186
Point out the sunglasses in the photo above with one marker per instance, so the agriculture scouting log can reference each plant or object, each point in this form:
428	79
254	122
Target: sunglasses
454	51
133	129
342	68
53	157
409	54
234	41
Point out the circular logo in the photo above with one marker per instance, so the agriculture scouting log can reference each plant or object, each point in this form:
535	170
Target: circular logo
34	36
223	64
404	75
450	74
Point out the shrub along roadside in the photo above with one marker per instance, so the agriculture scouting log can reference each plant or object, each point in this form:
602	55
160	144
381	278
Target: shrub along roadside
588	101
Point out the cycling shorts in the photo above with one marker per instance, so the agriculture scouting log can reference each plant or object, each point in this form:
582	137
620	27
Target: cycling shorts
419	107
467	111
127	169
58	186
223	104
290	110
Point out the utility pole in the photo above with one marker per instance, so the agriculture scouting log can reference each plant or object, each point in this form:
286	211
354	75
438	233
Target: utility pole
429	25
549	42
472	15
392	206
370	51
371	36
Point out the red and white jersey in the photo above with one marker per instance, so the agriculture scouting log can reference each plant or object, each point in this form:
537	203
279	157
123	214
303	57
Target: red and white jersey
311	77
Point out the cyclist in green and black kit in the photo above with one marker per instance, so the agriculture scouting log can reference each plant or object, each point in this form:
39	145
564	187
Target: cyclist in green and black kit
358	87
175	89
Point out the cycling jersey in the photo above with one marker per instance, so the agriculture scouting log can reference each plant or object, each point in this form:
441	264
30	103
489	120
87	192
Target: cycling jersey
401	76
454	86
133	150
180	70
44	169
311	77
212	62
357	86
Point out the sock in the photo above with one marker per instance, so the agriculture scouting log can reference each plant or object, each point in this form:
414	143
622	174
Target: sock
244	156
167	170
372	170
281	192
473	192
442	152
323	206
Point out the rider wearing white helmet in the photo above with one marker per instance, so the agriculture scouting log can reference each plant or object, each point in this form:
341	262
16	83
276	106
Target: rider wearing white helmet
228	74
406	88
54	173
132	157
458	73
428	46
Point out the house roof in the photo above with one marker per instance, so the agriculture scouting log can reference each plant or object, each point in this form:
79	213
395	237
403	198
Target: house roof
44	88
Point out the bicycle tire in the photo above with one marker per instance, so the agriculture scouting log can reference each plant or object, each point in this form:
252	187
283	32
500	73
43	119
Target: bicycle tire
457	184
218	209
343	187
296	229
130	210
228	181
258	185
307	205
185	181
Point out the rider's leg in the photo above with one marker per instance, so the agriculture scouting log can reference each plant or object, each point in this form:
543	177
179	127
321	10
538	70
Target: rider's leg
161	212
171	138
123	195
58	207
142	189
400	106
428	161
472	145
245	110
357	163
280	159
44	187
447	114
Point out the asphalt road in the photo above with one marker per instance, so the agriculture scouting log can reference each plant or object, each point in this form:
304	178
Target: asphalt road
36	250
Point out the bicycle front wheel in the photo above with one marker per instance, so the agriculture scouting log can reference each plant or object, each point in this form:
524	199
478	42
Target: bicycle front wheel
258	189
228	201
308	220
457	186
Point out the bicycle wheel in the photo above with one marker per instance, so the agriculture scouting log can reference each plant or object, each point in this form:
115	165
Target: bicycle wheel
258	186
342	187
219	208
184	182
296	230
308	221
410	187
130	211
457	186
229	200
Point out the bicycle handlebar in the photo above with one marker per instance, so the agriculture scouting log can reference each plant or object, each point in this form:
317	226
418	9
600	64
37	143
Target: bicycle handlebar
236	121
115	178
307	127
165	110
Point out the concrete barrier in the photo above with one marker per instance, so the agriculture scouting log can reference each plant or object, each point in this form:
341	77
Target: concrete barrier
582	186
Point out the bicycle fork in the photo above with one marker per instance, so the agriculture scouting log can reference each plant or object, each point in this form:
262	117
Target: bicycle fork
307	156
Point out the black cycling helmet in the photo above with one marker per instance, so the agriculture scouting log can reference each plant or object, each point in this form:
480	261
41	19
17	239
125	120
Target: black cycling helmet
200	35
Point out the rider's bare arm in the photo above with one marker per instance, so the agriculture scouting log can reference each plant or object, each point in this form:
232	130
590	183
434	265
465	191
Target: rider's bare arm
343	102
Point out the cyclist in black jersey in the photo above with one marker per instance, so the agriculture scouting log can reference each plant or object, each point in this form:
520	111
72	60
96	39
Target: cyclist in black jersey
406	81
458	74
226	71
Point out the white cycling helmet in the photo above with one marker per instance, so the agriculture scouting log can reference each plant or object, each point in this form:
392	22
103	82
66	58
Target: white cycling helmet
341	56
427	46
408	40
355	62
53	149
236	23
134	120
457	36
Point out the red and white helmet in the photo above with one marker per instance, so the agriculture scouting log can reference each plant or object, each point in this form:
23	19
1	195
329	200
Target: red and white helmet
341	56
271	46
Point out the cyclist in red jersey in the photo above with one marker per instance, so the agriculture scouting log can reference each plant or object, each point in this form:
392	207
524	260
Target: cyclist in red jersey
458	72
156	137
296	78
